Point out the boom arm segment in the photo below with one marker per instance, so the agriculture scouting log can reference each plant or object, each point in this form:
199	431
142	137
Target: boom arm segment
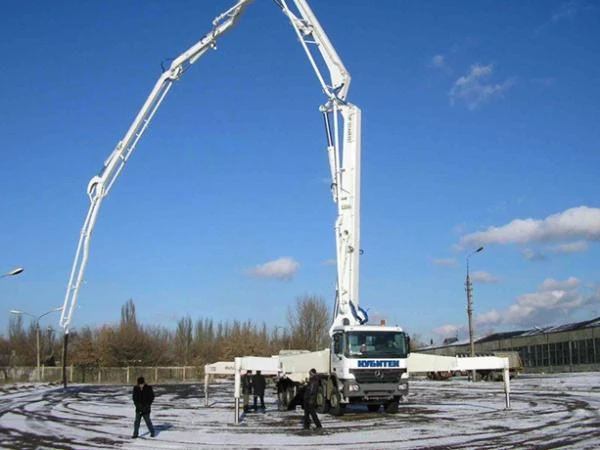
345	170
100	185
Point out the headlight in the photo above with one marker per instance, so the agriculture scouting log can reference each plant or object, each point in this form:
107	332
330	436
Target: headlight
353	387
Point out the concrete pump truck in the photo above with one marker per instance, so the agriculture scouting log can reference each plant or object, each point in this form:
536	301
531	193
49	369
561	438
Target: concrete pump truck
365	364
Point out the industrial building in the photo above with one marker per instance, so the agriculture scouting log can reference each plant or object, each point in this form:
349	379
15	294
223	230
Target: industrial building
573	347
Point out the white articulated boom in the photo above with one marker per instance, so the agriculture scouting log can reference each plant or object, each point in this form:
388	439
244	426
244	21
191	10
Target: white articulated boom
345	168
100	185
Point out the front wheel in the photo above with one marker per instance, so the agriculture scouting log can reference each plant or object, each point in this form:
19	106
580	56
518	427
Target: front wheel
392	406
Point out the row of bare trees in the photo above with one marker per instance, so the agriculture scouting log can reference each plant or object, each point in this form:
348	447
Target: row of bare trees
201	342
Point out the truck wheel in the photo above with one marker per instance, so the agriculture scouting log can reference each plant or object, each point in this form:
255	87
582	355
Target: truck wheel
392	406
293	397
284	398
336	408
322	403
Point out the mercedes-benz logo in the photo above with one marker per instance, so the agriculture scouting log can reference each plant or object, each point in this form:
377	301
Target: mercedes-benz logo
379	374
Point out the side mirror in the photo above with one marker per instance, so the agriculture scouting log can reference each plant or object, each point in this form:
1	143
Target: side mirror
407	345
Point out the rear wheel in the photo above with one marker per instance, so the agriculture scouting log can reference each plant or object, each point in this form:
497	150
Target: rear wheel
285	398
336	408
322	402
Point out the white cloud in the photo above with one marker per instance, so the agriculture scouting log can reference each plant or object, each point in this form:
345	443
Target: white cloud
445	262
550	284
571	247
581	222
438	61
554	301
483	277
567	11
459	228
283	269
532	255
492	317
446	330
474	90
329	262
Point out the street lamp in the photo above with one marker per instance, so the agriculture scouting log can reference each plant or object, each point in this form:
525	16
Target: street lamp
469	289
10	273
37	330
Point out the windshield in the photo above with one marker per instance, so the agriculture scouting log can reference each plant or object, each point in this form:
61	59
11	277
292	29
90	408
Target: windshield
375	344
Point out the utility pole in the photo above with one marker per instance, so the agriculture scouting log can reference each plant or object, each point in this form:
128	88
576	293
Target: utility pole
469	289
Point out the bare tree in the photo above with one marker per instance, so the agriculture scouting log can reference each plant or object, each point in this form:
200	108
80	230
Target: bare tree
160	346
309	321
128	318
416	342
184	340
84	352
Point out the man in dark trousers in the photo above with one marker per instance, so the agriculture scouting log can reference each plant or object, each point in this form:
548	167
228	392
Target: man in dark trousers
143	396
258	385
310	400
247	389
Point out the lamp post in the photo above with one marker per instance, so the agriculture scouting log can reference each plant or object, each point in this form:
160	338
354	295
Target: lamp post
10	273
469	289
37	331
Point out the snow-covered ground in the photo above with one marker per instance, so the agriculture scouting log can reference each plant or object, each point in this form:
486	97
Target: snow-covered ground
560	411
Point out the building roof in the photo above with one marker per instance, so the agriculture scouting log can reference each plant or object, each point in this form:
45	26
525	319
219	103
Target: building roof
530	332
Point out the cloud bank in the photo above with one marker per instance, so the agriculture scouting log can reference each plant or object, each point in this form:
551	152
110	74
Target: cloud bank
554	299
581	222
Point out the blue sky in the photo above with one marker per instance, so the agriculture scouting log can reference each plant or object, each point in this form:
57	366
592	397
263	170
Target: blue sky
479	128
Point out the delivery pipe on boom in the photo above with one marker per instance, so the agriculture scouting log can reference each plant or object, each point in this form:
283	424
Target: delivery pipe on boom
100	185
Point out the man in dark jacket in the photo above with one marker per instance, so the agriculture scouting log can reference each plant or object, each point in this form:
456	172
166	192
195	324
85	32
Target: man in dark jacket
247	389
310	400
143	396
258	384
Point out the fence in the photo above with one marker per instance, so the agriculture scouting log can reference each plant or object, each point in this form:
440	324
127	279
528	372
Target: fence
103	375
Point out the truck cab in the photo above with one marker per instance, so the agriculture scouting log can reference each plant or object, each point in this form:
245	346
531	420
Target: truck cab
369	366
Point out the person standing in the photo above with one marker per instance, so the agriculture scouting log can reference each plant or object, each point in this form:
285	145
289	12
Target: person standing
258	385
310	401
247	389
143	396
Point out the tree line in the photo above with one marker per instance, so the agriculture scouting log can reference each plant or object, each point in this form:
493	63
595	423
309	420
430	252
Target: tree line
130	343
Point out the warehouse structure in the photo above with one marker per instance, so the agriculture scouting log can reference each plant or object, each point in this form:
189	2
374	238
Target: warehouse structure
573	347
